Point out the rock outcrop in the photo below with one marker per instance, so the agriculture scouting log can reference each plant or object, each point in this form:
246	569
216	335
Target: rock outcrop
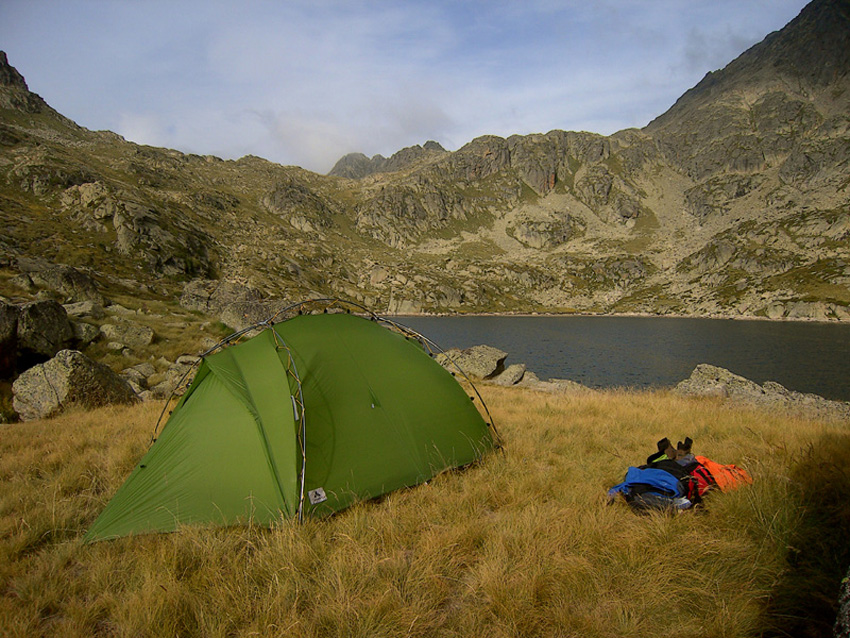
68	379
511	375
479	362
128	333
487	364
17	95
712	381
358	166
235	304
71	284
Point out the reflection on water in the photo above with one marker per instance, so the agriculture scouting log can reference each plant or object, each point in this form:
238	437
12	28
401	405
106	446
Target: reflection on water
658	351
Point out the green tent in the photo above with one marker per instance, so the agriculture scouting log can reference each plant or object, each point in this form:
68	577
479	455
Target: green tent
306	418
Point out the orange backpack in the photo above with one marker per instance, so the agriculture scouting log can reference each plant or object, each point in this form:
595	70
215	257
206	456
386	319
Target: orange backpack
728	477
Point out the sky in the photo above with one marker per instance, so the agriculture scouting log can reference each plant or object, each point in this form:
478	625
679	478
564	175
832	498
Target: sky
303	82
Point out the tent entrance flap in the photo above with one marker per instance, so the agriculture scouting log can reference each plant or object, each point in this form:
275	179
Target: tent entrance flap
256	372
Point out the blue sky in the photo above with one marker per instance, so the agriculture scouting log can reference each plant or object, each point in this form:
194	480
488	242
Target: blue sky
305	81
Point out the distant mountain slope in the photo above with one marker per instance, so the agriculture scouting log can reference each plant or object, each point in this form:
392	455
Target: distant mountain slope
768	103
734	202
357	165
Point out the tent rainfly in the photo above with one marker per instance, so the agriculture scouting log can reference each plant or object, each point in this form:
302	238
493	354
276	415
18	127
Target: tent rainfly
309	416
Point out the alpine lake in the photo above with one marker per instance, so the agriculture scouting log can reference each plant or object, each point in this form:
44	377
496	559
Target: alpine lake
656	352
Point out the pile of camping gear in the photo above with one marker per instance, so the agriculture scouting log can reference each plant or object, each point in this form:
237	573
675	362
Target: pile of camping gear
676	479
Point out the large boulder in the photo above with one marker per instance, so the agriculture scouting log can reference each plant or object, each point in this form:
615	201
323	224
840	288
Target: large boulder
236	305
512	375
533	382
85	333
84	309
480	362
211	296
43	328
242	314
137	376
128	333
68	379
712	381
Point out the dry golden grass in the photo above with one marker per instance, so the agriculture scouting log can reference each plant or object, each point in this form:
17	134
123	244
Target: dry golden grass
523	544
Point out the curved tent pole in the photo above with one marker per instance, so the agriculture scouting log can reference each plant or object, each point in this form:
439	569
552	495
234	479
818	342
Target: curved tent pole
221	344
326	304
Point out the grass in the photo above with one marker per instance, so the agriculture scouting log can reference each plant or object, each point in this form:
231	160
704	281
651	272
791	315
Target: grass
523	544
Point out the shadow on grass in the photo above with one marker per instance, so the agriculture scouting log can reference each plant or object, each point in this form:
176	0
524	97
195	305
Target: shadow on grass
804	602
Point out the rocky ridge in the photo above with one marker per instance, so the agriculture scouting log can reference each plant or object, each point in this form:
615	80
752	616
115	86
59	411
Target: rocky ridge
733	203
358	166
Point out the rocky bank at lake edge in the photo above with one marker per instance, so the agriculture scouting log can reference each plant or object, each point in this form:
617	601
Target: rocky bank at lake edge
488	365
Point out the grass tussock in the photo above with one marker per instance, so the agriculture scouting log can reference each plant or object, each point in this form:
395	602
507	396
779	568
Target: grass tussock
523	544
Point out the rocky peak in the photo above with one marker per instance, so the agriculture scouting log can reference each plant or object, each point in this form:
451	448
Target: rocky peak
782	103
814	48
810	52
358	166
14	93
9	75
353	166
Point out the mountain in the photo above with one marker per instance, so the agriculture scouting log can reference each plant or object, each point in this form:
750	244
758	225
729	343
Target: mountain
357	165
732	203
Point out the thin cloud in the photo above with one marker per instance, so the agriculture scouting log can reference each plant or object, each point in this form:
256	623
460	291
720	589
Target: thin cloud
304	82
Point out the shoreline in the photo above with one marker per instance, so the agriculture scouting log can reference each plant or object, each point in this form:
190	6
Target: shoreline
646	315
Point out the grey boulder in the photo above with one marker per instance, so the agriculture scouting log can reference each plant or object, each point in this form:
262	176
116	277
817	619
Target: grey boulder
85	309
128	333
68	379
480	362
243	314
85	333
512	375
69	282
712	381
533	382
211	296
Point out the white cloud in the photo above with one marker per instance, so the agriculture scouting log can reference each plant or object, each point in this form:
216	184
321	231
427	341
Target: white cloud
304	82
146	126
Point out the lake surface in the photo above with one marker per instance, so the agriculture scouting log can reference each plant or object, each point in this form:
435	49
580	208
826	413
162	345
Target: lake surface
645	352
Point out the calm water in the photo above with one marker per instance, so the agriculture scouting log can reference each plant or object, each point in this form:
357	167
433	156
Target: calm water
647	352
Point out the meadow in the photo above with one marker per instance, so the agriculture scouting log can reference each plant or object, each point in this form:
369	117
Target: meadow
522	544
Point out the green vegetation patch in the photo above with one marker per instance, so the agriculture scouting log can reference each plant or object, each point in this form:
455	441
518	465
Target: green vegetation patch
816	282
